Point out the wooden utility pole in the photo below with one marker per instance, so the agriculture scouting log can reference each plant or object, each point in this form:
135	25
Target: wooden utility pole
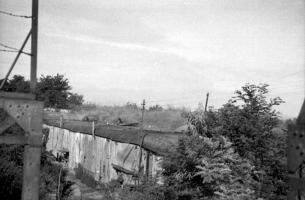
206	102
34	45
143	109
141	142
32	153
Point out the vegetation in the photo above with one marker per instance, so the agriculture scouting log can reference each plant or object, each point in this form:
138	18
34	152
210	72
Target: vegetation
11	163
11	160
164	119
54	91
251	167
234	152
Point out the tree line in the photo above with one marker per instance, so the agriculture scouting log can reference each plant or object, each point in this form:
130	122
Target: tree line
54	91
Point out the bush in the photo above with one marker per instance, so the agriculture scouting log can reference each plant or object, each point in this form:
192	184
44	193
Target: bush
11	168
203	167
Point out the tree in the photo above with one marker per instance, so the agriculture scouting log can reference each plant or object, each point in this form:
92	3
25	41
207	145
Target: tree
75	100
16	84
202	167
248	120
226	171
255	159
131	106
155	108
54	91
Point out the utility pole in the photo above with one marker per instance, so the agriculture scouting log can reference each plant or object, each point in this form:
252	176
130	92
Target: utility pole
34	45
143	109
206	102
141	130
32	153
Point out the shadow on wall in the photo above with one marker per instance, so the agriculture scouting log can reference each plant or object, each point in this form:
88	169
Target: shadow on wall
85	176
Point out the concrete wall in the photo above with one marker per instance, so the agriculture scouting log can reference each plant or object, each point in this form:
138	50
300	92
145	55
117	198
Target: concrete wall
96	154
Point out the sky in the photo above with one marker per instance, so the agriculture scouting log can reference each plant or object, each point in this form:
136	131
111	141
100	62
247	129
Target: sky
166	52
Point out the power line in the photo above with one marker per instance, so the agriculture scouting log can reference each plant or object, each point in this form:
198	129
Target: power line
1	44
14	15
10	51
15	51
16	58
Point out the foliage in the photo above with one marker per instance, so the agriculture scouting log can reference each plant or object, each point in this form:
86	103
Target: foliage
155	108
161	120
249	120
227	171
131	106
53	91
75	100
16	84
11	171
252	166
11	164
49	178
145	191
202	167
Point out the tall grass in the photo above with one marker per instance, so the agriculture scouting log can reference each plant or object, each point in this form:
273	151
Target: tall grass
165	119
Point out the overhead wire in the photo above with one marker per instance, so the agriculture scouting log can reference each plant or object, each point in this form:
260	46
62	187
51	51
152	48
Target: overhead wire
14	15
15	51
10	51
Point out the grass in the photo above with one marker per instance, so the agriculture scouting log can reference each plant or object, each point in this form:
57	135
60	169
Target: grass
166	119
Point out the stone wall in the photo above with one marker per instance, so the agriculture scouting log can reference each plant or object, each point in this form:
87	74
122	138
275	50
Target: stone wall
97	154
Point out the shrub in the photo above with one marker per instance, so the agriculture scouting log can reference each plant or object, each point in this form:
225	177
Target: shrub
204	167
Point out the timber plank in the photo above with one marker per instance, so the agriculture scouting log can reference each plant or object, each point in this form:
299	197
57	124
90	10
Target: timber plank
156	142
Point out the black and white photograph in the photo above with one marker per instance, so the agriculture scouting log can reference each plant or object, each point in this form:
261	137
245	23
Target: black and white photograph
152	99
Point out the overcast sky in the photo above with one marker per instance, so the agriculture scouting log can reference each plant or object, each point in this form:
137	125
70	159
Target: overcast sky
167	52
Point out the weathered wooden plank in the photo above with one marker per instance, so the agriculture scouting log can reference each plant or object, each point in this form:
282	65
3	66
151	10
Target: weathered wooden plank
6	123
17	95
31	173
123	170
13	139
157	142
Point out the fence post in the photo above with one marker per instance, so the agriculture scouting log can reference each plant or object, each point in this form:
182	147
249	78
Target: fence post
93	129
60	121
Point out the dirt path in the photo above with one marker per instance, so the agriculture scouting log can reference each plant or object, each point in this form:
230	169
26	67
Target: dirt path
82	191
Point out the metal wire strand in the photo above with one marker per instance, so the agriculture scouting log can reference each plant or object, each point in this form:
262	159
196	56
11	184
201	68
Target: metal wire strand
14	15
12	49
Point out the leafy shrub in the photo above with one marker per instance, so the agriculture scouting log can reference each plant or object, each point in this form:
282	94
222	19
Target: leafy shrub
11	174
11	168
203	167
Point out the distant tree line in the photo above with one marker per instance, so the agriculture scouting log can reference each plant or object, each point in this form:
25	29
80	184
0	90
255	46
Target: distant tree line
54	91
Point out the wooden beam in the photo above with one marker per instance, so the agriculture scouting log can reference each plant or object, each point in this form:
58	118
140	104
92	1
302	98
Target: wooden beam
31	173
301	117
17	95
157	142
13	139
6	123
